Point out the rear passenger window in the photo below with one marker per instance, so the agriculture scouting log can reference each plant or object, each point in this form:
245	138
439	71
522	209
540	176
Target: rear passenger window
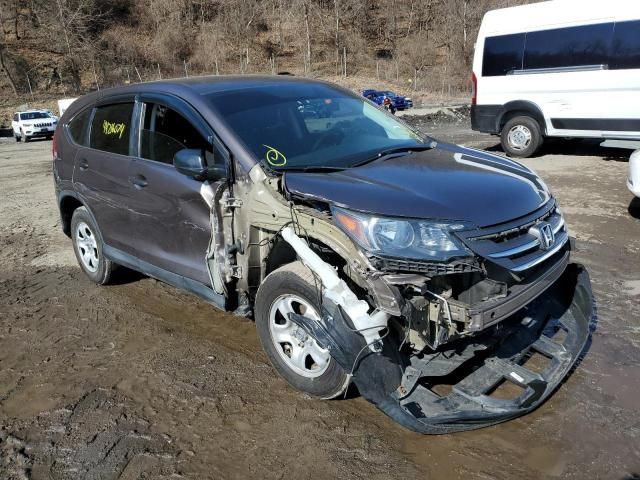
111	127
568	47
78	127
165	132
502	54
626	46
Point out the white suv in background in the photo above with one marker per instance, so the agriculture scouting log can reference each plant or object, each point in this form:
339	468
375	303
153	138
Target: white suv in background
33	124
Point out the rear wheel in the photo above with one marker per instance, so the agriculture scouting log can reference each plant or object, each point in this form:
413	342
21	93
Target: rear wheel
521	137
295	355
87	245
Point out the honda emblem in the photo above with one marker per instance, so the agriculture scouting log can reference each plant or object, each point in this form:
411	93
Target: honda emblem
544	233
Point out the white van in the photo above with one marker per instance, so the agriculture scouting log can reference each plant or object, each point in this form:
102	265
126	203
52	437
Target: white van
563	68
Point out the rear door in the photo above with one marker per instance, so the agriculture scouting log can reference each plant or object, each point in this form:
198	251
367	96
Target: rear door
100	172
172	220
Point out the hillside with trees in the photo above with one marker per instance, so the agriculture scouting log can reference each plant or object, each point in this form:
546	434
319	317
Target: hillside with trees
51	48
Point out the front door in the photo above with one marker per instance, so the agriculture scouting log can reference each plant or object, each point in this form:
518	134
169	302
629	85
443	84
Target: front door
171	218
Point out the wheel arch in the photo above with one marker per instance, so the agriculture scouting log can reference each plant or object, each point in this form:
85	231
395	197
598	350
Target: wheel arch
522	107
69	202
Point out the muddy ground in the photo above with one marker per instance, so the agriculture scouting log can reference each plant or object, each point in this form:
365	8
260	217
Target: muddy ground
140	380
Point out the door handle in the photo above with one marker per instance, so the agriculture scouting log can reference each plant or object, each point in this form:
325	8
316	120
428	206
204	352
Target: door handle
83	164
138	181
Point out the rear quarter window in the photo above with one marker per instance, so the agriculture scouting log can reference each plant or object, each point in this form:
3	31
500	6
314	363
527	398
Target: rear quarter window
502	54
77	127
626	46
111	128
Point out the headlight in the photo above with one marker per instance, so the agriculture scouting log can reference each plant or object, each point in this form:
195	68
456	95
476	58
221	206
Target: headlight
395	237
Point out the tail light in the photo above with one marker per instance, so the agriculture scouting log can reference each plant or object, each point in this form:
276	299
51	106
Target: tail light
474	89
54	148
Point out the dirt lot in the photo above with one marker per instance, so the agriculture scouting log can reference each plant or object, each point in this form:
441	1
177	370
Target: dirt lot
139	380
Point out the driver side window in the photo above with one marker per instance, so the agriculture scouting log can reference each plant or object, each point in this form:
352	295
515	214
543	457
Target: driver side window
165	132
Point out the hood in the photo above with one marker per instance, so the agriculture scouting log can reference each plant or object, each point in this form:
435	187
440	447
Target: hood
446	183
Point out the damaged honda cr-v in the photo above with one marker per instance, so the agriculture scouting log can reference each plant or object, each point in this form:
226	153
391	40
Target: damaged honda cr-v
427	274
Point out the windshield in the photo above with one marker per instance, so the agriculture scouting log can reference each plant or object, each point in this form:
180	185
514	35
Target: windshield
388	93
305	126
33	115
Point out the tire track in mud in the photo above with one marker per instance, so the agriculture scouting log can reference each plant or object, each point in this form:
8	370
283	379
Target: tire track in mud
119	446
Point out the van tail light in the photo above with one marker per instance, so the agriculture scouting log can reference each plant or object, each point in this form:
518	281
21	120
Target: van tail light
474	89
54	148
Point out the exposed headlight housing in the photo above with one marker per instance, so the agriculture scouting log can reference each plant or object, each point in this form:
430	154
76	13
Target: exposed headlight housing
401	238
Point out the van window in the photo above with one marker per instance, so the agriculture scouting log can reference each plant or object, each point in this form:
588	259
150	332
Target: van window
77	127
111	127
502	54
165	132
568	47
626	46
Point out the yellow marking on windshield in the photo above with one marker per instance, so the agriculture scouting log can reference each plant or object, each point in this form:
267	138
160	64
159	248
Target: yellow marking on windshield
110	128
274	156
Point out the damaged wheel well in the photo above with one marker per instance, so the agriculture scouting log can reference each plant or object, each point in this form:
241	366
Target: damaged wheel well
68	205
282	253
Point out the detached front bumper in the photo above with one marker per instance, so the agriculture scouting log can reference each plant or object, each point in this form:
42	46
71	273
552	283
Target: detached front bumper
472	369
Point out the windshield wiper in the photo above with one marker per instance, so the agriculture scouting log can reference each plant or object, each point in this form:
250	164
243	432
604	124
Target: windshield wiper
394	151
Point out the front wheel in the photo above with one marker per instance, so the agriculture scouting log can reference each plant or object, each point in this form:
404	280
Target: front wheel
521	137
293	353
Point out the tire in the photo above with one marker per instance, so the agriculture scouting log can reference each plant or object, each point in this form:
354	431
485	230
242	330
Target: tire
87	245
294	285
24	138
17	137
521	137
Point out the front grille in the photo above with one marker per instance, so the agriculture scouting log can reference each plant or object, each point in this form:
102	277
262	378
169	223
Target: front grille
515	246
428	268
42	125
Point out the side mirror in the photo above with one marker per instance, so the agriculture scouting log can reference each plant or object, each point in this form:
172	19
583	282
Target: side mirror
192	163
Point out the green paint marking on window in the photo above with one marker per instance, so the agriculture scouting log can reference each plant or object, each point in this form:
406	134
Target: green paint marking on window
110	128
274	156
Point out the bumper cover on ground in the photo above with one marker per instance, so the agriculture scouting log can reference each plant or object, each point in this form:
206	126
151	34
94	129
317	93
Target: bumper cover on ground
402	390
